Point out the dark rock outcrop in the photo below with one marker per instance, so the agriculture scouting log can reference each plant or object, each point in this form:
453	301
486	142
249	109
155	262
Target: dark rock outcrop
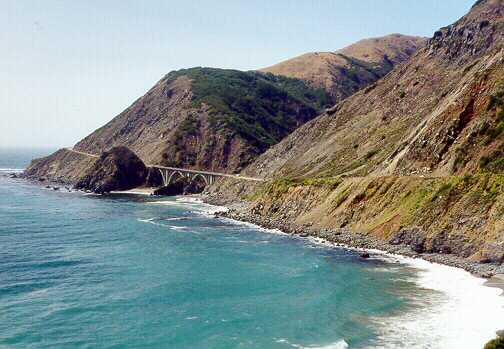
116	169
413	237
181	186
154	178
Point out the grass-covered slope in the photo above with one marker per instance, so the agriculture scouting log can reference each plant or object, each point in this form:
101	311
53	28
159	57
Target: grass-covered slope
342	73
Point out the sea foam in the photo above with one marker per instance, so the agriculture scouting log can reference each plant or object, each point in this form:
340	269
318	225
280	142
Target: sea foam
460	313
457	311
341	344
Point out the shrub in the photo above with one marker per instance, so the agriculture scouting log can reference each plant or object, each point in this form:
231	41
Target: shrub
494	162
497	100
259	107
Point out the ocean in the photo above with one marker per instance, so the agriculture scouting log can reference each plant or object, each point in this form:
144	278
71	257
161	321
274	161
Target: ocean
133	271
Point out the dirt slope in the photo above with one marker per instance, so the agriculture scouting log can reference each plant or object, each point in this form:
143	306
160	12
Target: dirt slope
432	115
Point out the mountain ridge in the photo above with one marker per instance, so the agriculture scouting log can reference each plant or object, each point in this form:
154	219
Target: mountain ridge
208	118
201	118
347	70
416	158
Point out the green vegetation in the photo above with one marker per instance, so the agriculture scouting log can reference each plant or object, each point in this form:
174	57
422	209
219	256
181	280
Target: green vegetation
497	343
492	132
282	185
190	125
259	107
442	191
497	100
357	68
493	162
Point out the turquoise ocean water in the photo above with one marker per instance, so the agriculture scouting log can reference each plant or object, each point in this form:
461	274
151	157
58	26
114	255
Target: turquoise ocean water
126	271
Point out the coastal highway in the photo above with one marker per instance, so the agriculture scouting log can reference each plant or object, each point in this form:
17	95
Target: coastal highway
208	173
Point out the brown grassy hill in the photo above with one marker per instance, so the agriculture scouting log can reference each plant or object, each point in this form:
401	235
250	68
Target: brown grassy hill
438	114
422	148
346	71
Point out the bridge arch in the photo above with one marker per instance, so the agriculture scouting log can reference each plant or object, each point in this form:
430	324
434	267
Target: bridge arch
173	174
199	175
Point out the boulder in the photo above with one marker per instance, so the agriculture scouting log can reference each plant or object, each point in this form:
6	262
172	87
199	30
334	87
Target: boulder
492	253
413	237
116	169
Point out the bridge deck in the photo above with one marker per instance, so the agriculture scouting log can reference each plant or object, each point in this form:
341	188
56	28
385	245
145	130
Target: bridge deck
184	170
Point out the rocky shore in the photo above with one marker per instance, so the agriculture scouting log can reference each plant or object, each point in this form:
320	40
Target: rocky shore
346	238
343	237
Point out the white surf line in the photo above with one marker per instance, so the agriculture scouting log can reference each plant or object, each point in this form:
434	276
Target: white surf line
341	344
11	169
461	312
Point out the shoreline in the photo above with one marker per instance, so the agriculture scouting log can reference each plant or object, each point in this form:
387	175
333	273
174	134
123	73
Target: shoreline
342	238
427	264
345	238
137	191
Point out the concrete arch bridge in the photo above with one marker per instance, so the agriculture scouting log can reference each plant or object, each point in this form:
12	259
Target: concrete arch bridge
170	173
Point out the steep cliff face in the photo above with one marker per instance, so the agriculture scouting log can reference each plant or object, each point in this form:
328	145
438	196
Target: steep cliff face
431	116
344	72
459	215
202	118
416	158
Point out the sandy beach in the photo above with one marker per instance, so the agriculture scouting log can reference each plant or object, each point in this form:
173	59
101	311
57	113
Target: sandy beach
137	191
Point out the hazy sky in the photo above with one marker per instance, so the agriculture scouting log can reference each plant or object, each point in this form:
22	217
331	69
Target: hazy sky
68	67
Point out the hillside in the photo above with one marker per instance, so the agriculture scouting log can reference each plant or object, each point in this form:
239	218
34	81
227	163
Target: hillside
416	157
202	118
221	120
344	72
437	115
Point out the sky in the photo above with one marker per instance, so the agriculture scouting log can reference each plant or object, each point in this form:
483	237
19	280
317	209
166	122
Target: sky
68	67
